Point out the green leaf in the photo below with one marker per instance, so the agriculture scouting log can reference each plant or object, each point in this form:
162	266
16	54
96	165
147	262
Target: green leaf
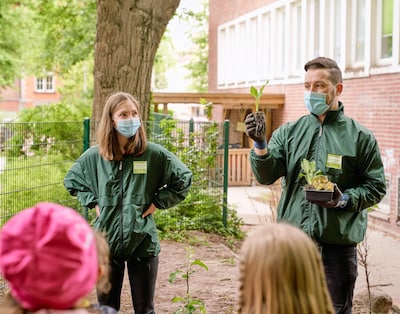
177	299
199	263
253	91
172	276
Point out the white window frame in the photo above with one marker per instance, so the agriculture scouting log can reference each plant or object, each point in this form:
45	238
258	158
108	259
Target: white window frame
275	41
45	84
380	60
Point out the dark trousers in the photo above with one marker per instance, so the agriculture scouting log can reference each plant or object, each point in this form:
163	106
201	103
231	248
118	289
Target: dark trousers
340	263
142	274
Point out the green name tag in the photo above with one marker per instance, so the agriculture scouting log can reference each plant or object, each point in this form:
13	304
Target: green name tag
140	167
334	161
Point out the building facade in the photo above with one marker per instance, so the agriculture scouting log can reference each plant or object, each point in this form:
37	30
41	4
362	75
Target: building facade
263	40
28	92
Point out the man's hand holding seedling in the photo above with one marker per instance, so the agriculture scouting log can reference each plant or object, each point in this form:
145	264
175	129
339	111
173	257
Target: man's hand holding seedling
255	129
255	121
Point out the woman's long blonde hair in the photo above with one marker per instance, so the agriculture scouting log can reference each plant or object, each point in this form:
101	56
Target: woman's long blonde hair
107	135
281	272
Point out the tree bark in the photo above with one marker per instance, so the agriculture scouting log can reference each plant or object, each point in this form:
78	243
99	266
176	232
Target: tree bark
128	34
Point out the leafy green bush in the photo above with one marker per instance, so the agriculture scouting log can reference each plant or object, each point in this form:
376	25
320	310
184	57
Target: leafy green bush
202	208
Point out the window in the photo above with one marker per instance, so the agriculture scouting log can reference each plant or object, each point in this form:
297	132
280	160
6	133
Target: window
387	29
45	84
295	62
264	52
280	42
273	42
337	29
359	31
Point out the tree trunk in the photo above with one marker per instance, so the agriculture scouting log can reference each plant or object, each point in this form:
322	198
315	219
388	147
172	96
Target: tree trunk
128	33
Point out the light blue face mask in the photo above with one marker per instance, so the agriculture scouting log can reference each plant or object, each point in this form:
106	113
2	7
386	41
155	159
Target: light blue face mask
316	102
128	127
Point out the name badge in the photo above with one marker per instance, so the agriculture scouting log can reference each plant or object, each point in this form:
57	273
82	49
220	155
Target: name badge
334	161
140	167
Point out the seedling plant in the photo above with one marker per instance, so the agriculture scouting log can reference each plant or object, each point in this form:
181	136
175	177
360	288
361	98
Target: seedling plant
190	305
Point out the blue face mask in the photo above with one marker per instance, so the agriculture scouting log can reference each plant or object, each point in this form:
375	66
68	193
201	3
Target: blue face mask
128	127
316	103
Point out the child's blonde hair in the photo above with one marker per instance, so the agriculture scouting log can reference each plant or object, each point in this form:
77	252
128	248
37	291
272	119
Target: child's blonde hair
103	254
281	272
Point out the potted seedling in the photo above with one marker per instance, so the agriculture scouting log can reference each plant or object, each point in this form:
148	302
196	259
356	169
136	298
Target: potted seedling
258	115
318	187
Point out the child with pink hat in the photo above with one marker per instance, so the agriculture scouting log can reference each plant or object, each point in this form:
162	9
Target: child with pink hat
49	257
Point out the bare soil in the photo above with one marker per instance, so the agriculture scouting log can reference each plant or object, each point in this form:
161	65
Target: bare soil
216	287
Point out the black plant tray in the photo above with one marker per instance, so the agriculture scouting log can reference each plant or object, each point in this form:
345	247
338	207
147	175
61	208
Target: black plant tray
318	195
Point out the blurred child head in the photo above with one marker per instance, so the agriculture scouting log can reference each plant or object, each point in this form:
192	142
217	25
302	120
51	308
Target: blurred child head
281	271
48	255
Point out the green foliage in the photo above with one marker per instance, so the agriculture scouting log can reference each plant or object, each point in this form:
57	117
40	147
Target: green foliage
77	87
14	40
202	208
42	137
164	59
190	304
208	106
69	29
309	171
198	61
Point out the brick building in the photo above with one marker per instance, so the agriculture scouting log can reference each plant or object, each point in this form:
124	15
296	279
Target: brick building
28	92
254	41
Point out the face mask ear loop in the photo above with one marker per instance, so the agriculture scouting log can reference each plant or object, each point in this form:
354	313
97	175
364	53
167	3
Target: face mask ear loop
333	98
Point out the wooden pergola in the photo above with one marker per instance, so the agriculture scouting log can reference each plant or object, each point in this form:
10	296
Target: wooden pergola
229	101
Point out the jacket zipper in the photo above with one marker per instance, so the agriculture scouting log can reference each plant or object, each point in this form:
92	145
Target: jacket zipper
121	218
316	158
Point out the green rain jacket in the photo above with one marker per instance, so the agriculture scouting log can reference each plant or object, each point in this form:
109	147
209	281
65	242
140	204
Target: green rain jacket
124	190
346	152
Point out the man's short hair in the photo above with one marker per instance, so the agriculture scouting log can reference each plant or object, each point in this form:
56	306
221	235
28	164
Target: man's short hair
328	64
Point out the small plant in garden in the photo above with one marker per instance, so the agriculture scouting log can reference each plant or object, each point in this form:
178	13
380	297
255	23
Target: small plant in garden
257	93
190	305
314	177
362	251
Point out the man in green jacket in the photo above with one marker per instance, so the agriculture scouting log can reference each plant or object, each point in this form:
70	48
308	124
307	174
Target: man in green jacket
346	152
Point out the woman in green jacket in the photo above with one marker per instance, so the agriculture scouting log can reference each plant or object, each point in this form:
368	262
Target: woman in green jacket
125	178
346	152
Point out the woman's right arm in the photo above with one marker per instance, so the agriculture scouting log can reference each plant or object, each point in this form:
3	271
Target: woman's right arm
79	182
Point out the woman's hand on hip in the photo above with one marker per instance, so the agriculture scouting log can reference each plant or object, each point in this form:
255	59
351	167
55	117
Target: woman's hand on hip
152	208
97	209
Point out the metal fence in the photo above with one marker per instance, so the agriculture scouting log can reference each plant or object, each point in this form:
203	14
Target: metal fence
34	158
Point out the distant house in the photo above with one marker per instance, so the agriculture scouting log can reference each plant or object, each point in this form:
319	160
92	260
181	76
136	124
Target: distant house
254	41
29	92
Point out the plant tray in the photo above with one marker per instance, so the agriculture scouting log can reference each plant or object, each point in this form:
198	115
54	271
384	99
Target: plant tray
318	195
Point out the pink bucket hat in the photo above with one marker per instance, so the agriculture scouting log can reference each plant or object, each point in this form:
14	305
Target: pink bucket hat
48	256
